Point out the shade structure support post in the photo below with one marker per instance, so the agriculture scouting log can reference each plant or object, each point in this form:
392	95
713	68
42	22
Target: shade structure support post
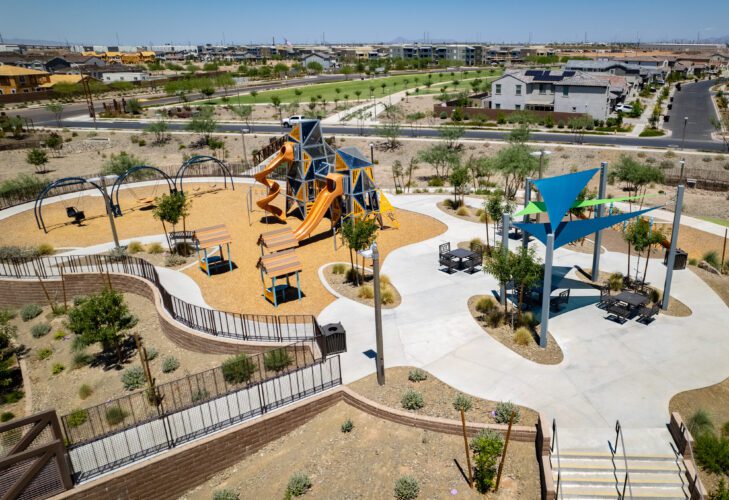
230	261
546	291
298	285
275	294
670	262
207	262
527	199
505	249
598	213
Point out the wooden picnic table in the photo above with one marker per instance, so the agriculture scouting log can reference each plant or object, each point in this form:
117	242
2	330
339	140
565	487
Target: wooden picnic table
280	264
277	240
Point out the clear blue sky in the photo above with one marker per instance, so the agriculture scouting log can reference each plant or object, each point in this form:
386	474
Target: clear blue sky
242	21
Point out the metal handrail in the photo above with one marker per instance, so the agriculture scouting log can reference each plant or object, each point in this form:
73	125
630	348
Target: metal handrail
684	432
554	445
613	450
679	460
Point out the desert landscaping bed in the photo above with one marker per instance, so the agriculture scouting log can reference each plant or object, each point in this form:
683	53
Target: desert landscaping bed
364	292
366	462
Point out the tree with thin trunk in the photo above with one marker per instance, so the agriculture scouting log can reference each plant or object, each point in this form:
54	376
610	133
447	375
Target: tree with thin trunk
57	109
358	236
526	270
159	129
169	209
440	157
38	158
499	265
358	93
411	168
459	179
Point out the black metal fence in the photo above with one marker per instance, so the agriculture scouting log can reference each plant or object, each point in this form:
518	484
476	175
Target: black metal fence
258	327
128	429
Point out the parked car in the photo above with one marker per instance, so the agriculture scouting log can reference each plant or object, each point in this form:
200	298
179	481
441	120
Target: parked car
625	108
292	120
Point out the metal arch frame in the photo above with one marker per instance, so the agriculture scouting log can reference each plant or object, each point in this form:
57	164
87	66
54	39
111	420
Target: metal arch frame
66	181
179	177
116	187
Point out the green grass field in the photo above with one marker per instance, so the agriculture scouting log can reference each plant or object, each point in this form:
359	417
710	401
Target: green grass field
328	90
716	220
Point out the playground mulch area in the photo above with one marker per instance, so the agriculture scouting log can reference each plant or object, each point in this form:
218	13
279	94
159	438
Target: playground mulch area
438	397
347	289
366	462
552	355
61	391
237	291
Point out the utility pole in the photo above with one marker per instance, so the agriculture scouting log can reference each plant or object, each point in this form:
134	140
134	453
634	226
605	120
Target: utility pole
88	96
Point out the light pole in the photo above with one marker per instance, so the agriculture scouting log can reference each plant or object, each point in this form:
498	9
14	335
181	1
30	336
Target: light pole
683	138
372	152
373	253
541	154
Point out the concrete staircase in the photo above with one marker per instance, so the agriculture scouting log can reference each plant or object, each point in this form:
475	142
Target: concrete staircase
590	474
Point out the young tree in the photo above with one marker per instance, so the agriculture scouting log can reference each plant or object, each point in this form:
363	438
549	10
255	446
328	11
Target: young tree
254	94
479	167
276	103
315	67
159	129
117	164
411	168
244	112
458	179
441	157
638	176
204	123
358	93
515	163
358	235
495	208
38	158
102	318
451	134
57	109
397	172
526	269
54	142
169	209
499	265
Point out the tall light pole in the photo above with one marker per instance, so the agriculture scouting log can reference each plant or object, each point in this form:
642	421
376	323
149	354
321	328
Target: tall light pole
541	154
683	138
373	253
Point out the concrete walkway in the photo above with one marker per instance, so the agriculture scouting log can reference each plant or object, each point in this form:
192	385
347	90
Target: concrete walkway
609	372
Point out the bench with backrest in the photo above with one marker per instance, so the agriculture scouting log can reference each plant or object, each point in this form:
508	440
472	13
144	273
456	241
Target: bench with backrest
606	299
444	258
476	259
562	299
619	311
646	314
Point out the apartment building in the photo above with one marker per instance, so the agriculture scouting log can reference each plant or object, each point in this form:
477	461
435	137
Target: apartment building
17	80
560	91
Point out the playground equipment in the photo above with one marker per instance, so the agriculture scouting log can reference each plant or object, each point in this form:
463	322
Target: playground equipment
198	161
276	266
147	200
323	202
73	207
285	154
211	237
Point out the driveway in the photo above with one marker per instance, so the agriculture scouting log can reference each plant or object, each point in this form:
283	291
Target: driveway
693	101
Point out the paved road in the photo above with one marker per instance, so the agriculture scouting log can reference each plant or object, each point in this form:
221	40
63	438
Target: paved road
565	138
694	102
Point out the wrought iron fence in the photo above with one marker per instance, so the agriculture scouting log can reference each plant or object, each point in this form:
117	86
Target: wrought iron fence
191	407
258	327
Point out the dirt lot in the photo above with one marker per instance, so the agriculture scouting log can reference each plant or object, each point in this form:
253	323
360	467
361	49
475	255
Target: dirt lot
365	463
61	391
237	291
348	289
437	395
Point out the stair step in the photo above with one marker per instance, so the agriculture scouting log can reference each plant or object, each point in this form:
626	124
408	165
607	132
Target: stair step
607	455
599	479
611	492
606	465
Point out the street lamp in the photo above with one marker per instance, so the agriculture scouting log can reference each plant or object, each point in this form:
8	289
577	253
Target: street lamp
541	154
373	253
683	139
372	152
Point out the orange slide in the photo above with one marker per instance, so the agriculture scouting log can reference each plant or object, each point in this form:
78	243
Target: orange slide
285	154
322	203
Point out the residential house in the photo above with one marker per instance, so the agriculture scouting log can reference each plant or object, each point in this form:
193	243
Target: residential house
27	61
17	80
461	53
502	55
633	73
559	91
64	62
327	62
121	74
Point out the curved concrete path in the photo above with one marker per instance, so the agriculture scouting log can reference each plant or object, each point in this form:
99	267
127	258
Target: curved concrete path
609	372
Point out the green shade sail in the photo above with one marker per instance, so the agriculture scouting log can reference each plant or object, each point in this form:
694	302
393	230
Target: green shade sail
538	207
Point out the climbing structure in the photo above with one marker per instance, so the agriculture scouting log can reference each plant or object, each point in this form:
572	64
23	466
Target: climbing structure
285	155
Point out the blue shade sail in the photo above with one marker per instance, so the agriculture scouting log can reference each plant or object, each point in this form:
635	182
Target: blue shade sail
560	192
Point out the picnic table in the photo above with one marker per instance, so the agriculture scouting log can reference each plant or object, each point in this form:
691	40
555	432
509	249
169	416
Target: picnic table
631	299
461	255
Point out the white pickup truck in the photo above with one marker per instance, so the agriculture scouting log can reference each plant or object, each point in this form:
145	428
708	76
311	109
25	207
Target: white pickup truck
292	120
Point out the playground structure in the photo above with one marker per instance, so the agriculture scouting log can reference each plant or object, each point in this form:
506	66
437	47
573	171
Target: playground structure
211	237
285	154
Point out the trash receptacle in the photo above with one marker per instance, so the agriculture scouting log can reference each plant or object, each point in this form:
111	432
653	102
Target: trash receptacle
335	338
679	262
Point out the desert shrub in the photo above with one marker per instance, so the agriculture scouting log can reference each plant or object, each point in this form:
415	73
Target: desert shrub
407	488
712	258
700	423
57	368
77	417
463	211
133	378
225	494
387	297
277	360
155	248
6	416
725	429
353	276
654	295
486	447
693	262
462	402
115	415
615	282
385	280
495	318
721	492
238	369
59	335
339	268
174	260
6	315
151	353
11	397
170	364
438	182
45	249
81	359
201	394
40	330
485	305
503	412
475	243
85	391
366	292
412	400
134	247
347	426
30	311
522	336
417	375
451	203
528	319
43	353
299	483
712	452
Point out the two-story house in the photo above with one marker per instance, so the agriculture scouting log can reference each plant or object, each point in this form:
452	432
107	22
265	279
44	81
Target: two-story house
16	80
559	91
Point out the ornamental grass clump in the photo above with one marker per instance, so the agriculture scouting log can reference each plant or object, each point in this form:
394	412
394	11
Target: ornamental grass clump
503	412
412	400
